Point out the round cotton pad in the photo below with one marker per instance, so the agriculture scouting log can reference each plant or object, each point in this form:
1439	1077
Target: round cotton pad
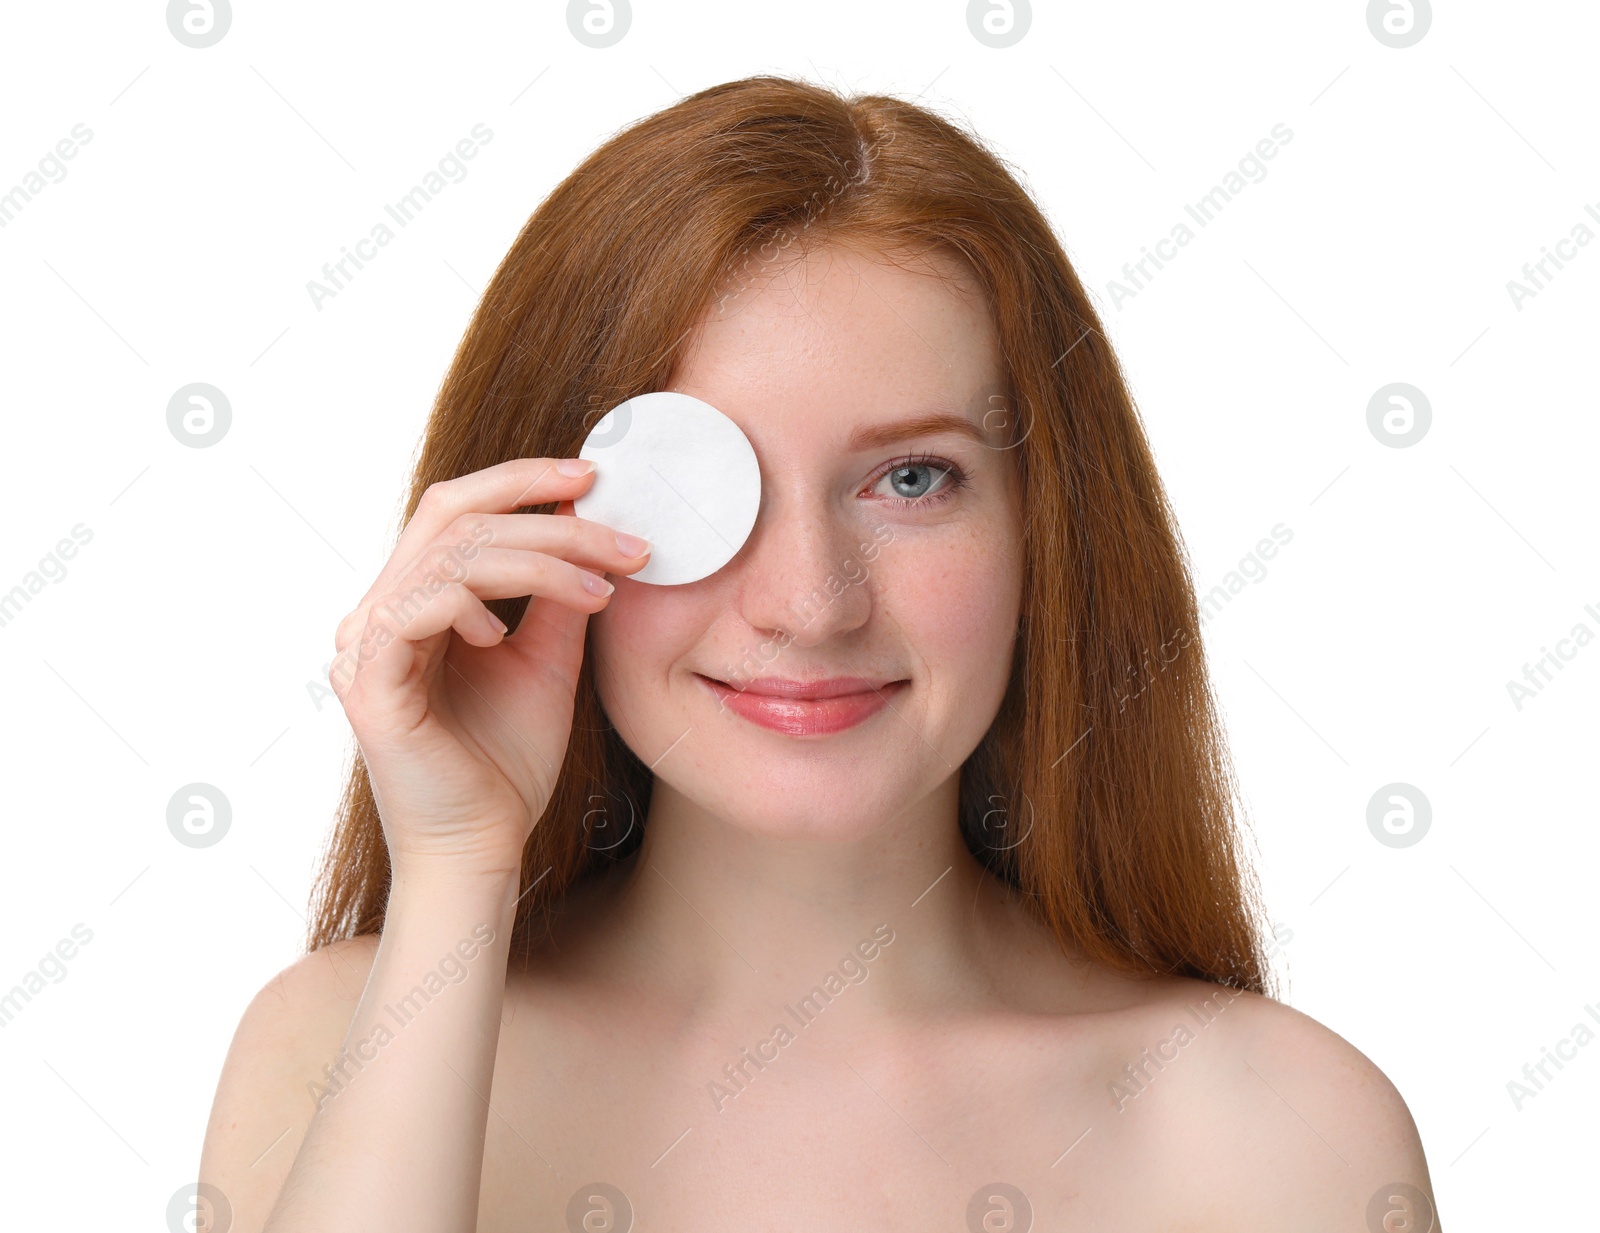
678	472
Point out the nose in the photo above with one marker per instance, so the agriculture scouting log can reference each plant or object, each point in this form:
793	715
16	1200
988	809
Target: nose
802	573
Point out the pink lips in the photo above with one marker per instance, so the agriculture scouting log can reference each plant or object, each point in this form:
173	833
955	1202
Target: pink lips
806	708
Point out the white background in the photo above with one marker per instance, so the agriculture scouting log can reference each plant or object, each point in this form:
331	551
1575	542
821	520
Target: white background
1376	649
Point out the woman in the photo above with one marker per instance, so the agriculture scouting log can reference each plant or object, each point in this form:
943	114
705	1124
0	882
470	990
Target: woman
656	933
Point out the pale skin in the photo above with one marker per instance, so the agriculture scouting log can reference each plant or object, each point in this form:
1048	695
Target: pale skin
972	1051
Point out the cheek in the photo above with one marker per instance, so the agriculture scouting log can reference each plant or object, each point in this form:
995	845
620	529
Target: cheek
637	637
957	602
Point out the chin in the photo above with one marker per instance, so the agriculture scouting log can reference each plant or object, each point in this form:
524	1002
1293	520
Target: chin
826	805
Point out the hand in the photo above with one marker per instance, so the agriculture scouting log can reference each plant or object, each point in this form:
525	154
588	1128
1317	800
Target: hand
463	728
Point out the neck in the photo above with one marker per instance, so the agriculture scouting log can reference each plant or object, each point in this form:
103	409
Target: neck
728	921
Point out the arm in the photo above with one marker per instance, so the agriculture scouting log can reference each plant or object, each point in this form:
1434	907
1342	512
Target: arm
386	1081
461	764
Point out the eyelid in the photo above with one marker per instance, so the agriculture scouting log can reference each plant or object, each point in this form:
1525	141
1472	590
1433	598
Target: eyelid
920	459
955	478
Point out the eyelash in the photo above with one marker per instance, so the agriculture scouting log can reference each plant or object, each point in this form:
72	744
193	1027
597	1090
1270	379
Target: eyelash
955	479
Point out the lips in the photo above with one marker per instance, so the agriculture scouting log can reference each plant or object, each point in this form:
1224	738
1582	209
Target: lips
808	691
817	707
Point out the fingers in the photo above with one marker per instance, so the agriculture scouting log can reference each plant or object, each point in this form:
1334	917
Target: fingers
446	589
500	573
388	652
590	544
559	558
460	538
493	490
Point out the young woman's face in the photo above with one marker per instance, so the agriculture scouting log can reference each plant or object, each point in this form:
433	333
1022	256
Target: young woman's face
887	553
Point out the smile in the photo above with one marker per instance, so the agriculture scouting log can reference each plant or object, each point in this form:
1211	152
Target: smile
843	703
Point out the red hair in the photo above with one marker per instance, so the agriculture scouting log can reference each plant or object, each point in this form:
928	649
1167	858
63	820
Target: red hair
1106	759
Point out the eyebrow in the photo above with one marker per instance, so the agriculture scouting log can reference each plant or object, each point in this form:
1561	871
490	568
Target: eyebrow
875	436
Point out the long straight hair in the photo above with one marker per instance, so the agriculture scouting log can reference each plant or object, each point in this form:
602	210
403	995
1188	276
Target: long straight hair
1103	790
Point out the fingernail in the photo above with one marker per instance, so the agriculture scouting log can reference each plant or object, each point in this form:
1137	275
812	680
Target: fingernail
575	466
596	585
632	544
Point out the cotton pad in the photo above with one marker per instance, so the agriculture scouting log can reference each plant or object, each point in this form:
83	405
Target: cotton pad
679	473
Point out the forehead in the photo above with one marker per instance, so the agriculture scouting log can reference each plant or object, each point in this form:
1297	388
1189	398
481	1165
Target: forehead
838	336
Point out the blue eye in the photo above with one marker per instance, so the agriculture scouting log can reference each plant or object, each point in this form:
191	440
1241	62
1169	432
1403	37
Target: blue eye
923	480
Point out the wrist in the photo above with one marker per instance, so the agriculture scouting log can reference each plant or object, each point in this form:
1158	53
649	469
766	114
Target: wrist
432	882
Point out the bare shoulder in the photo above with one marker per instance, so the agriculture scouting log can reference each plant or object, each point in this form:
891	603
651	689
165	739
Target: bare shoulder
291	1030
1290	1122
